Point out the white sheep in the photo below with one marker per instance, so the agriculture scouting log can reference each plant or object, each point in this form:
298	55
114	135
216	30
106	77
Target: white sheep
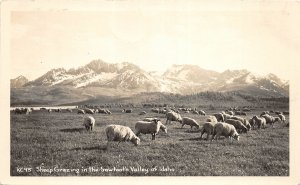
269	119
189	121
121	133
127	110
80	111
225	129
212	119
208	128
219	116
173	116
243	120
143	113
152	127
201	112
282	117
89	111
260	122
237	124
89	123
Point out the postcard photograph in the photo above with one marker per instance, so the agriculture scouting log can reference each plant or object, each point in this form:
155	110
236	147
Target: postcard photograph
152	88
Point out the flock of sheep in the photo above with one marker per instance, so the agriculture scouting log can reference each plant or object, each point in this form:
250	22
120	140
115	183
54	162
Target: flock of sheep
225	123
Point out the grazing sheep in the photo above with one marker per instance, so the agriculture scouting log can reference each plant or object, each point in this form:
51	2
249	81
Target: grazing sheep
286	113
89	111
238	125
173	116
89	123
127	110
231	113
264	112
195	112
225	129
208	128
57	110
121	133
282	117
212	119
226	116
69	110
219	117
243	120
201	112
269	119
155	110
260	122
152	127
49	110
80	111
251	122
104	111
189	121
143	113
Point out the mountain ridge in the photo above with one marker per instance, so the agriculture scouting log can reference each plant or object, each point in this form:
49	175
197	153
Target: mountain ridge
182	79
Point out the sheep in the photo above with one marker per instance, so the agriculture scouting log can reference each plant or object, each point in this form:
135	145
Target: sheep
201	112
143	113
127	110
195	112
57	110
269	119
80	111
104	111
49	110
212	119
243	120
260	122
173	116
89	123
282	117
225	129
208	128
121	133
189	121
219	117
226	116
264	112
69	110
277	112
237	124
286	113
155	110
231	113
89	111
152	127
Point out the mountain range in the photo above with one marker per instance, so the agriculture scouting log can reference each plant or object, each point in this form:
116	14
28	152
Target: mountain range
125	79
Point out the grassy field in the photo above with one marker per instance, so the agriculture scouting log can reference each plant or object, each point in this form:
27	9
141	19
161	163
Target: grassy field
57	144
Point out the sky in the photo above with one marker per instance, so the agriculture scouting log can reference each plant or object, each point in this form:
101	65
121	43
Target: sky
260	37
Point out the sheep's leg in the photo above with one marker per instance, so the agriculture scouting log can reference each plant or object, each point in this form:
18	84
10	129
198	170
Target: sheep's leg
207	137
153	136
201	134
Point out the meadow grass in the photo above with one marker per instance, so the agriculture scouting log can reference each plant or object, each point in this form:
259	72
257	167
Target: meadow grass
59	142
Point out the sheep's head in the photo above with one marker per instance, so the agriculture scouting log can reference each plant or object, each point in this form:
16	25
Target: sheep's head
163	128
236	136
136	141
